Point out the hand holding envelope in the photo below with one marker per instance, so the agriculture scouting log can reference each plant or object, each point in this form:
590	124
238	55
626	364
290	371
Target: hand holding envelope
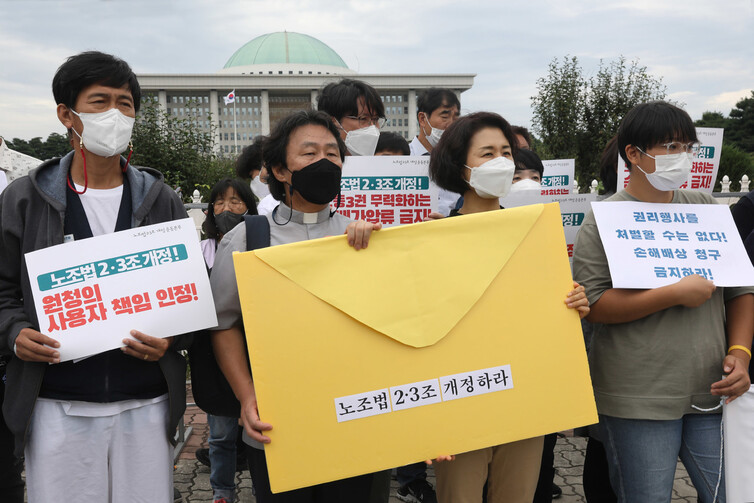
432	330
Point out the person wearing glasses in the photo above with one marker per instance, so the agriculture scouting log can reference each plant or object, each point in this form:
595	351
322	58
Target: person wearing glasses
657	354
357	111
229	200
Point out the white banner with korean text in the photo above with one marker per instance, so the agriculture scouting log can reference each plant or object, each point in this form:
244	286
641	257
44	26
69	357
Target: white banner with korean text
705	165
90	294
557	179
393	190
650	245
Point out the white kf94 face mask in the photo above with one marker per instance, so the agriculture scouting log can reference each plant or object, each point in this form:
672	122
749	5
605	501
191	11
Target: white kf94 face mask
671	170
526	184
493	179
106	133
434	135
363	141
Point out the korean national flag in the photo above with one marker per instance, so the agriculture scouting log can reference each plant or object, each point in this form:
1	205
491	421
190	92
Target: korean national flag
231	97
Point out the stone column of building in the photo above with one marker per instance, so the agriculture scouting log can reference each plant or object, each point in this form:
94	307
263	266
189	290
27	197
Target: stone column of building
315	94
412	126
214	110
265	112
162	100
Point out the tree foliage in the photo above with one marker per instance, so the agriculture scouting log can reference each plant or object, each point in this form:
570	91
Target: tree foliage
56	145
576	116
180	149
737	157
735	163
739	125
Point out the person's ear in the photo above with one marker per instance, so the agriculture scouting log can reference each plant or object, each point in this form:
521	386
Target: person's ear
279	173
423	122
633	155
65	116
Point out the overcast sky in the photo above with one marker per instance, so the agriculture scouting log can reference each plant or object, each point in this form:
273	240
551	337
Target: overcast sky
702	49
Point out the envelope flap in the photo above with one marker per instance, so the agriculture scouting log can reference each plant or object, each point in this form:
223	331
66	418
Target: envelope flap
456	258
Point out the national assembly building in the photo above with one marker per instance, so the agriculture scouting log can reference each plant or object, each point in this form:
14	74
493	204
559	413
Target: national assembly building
276	74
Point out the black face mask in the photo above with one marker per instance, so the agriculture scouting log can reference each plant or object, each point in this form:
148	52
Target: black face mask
319	182
226	220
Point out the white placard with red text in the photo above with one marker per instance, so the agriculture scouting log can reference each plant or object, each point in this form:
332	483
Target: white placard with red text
394	190
90	294
649	245
573	210
705	165
557	179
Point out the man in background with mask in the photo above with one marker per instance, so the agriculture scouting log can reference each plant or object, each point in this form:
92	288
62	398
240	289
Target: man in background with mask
357	111
98	429
437	109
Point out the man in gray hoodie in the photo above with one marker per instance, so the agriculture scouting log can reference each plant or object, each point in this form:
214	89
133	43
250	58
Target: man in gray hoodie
97	429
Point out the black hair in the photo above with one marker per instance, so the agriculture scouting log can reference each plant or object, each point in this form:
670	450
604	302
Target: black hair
446	164
90	68
526	159
653	123
250	159
219	189
340	99
520	130
275	146
609	166
435	97
392	142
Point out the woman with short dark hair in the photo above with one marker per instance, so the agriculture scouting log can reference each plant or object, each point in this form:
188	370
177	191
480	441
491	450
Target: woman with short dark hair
474	158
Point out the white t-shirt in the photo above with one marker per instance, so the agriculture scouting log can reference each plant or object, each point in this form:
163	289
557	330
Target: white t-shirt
101	207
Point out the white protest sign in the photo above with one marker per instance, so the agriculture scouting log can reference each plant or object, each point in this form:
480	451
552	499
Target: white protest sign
573	210
650	245
393	190
705	164
90	294
557	179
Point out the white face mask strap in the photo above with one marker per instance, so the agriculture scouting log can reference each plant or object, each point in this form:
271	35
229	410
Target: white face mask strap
426	118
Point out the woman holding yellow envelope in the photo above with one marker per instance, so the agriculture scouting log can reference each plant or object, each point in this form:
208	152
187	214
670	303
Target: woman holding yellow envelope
474	158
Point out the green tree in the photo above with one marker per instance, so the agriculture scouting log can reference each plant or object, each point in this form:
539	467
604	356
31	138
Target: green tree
741	124
575	117
713	119
735	163
56	145
557	109
737	157
179	148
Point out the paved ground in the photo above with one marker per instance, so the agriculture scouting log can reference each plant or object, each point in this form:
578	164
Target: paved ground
192	478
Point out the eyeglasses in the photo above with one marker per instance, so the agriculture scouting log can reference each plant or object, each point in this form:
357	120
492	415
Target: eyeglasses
365	121
232	203
676	147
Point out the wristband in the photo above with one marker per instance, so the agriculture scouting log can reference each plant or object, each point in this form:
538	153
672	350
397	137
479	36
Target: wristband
742	348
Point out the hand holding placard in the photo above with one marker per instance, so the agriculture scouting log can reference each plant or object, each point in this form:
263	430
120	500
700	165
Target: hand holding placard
32	346
693	291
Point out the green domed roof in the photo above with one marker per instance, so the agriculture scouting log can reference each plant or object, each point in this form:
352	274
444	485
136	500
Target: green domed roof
285	47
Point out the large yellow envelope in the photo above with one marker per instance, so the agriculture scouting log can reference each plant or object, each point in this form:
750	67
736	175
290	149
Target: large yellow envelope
424	302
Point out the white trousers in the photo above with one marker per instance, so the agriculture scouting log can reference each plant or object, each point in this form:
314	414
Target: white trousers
120	458
738	421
